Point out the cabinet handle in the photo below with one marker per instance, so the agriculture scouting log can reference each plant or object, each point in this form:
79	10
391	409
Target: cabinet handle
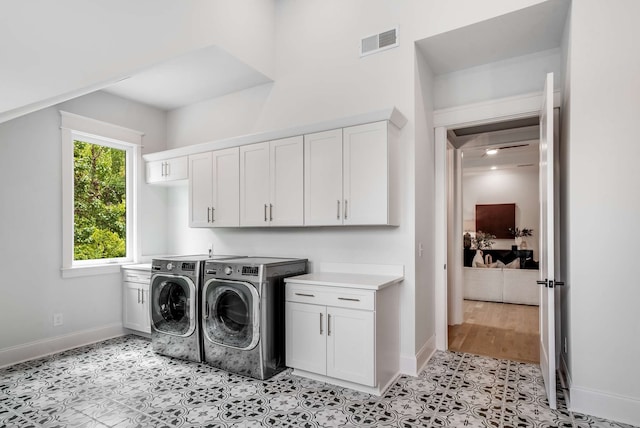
270	212
208	214
328	324
162	170
349	299
320	323
305	295
213	214
168	168
138	294
142	296
338	213
345	209
265	212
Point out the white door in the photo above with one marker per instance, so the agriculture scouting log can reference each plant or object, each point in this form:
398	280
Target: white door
176	168
133	310
547	245
286	185
365	174
351	345
226	188
200	190
155	171
254	185
323	178
306	337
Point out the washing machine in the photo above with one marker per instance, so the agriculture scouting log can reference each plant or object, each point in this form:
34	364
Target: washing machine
243	314
175	305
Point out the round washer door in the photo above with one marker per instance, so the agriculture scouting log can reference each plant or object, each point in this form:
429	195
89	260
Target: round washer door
173	305
231	314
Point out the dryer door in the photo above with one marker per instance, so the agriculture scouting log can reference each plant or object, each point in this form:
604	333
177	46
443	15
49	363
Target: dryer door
231	313
173	305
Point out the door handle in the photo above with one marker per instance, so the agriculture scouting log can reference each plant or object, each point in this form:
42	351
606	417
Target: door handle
547	283
345	209
265	212
328	324
208	214
559	283
320	323
270	212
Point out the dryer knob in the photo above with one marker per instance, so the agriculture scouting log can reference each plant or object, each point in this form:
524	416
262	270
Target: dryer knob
228	270
169	266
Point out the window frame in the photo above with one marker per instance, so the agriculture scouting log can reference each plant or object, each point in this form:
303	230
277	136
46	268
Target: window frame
74	127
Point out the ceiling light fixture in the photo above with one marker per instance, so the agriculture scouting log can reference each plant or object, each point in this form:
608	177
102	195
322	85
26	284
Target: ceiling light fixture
494	167
491	151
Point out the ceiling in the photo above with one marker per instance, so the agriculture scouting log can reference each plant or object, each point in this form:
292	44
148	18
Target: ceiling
515	148
196	76
526	31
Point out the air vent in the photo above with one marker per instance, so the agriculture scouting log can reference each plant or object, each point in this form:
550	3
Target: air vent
379	42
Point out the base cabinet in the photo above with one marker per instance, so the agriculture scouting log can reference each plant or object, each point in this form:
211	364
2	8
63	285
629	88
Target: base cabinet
135	305
336	334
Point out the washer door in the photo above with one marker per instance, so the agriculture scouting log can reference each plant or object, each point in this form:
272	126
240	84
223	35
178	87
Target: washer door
173	305
231	314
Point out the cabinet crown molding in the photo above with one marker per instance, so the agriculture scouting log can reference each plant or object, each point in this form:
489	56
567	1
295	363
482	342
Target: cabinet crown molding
391	114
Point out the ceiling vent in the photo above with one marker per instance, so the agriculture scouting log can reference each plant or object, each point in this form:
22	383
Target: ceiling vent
379	42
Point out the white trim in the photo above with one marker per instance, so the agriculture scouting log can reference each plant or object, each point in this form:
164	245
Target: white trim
90	270
509	108
375	390
440	238
90	126
413	365
53	345
603	405
364	269
391	114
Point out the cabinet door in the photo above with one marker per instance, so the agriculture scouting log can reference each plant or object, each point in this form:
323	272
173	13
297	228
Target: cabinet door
286	187
200	190
155	171
254	185
306	337
133	314
351	345
323	178
177	168
146	315
366	174
226	188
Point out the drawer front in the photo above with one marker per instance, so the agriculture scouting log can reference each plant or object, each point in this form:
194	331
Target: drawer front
136	276
341	297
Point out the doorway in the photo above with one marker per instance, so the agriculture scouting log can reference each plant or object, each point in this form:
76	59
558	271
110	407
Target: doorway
494	298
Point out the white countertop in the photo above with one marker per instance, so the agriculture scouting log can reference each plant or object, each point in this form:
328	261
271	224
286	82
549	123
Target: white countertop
348	280
138	266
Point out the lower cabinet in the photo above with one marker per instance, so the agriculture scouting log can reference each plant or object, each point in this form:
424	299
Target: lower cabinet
332	332
135	305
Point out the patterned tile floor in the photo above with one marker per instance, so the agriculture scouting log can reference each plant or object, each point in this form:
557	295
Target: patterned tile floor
122	383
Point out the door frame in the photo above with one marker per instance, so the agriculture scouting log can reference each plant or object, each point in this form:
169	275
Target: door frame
498	110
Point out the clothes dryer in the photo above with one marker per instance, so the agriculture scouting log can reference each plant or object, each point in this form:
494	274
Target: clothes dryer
243	314
175	305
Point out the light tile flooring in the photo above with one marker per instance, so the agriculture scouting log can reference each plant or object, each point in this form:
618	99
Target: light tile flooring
122	383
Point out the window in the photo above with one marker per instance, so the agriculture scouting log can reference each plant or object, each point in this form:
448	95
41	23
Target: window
99	175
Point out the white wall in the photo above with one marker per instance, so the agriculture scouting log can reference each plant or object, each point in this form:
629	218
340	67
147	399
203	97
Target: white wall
603	207
30	224
513	76
506	186
91	43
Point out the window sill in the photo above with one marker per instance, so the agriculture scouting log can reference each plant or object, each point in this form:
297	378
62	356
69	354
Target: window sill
92	270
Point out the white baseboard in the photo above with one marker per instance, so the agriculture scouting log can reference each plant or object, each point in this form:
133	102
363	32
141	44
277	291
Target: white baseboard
603	405
412	365
41	348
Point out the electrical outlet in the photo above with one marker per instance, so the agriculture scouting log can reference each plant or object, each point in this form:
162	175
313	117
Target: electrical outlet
58	320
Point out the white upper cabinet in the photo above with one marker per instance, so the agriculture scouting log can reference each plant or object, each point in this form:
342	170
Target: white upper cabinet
168	170
271	183
348	176
214	188
323	178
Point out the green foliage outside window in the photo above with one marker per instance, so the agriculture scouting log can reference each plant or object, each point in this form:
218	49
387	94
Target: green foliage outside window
100	190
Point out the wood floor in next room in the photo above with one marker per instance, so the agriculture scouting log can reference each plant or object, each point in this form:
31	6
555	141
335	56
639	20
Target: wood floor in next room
499	330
